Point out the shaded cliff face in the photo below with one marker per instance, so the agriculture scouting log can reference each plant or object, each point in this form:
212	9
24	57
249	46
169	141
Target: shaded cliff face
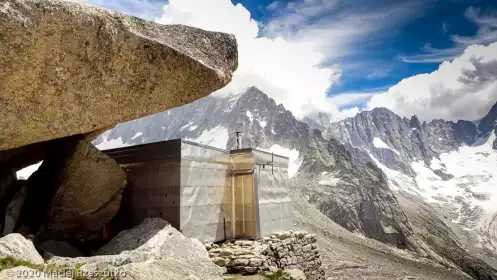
354	194
345	186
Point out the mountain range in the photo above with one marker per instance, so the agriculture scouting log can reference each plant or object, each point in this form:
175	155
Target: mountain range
425	189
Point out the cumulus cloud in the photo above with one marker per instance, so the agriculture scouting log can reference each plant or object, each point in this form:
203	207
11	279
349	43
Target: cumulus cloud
293	56
464	88
287	70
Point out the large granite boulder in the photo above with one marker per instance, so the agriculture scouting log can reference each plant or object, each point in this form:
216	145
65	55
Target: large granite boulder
87	188
16	246
58	248
13	210
157	238
153	239
7	179
68	68
152	250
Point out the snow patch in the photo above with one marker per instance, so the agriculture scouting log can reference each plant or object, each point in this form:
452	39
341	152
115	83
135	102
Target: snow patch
112	144
232	102
263	124
27	171
397	180
378	143
293	157
138	134
470	191
475	167
329	180
215	137
436	164
186	125
192	128
250	116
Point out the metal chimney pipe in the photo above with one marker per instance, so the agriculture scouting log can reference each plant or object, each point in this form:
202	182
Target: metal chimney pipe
238	140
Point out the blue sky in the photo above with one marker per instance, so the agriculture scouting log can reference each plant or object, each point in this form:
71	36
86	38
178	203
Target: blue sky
380	58
305	53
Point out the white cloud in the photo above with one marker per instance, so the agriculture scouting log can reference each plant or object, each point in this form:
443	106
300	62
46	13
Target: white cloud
283	57
342	28
351	98
287	70
464	88
378	73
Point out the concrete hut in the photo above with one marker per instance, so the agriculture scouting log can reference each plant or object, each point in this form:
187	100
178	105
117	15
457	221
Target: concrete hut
207	193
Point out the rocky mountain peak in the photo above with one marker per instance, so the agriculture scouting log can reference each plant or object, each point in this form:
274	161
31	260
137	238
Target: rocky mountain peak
317	120
415	123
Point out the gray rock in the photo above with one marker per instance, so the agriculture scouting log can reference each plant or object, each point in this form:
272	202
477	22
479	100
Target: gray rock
250	270
256	262
86	82
241	262
154	239
354	195
172	269
59	248
295	274
157	238
13	210
444	240
7	178
244	243
16	246
219	261
88	188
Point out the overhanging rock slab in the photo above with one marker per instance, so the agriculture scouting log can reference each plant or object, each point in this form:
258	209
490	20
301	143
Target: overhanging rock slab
68	69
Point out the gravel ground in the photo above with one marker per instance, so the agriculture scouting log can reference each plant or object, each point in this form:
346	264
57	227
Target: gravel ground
351	256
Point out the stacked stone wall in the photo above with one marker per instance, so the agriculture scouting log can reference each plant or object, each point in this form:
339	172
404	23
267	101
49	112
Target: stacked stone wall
286	250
